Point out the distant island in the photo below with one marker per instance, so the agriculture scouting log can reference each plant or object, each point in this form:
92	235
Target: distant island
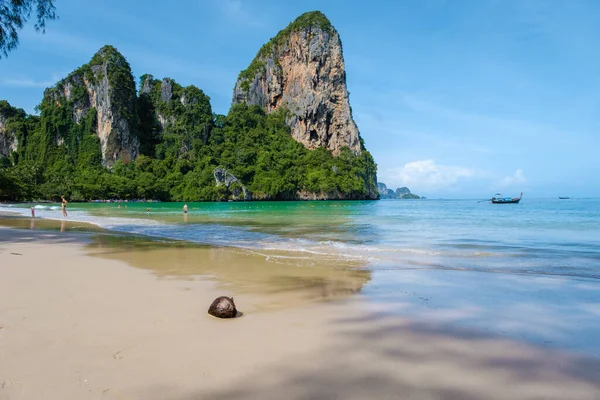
400	193
289	134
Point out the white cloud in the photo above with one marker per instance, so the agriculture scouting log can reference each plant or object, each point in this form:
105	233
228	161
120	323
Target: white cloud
426	175
27	83
57	42
517	177
233	6
237	12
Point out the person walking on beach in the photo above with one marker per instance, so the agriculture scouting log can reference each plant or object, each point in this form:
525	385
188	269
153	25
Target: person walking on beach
185	208
32	212
64	206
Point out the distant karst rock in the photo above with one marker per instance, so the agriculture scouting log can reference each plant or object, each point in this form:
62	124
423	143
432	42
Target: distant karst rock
106	88
384	192
400	193
223	307
302	70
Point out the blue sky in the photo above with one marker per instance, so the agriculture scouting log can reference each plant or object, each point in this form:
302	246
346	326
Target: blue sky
454	98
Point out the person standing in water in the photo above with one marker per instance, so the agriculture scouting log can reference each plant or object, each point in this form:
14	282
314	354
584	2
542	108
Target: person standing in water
185	208
64	206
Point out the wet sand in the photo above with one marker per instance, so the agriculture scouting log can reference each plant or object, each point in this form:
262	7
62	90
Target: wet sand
84	316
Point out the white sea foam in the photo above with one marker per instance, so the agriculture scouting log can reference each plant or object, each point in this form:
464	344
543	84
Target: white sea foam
221	235
43	207
373	241
110	223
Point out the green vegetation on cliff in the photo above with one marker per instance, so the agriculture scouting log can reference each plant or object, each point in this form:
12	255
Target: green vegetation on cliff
259	150
186	116
255	147
16	125
309	19
120	79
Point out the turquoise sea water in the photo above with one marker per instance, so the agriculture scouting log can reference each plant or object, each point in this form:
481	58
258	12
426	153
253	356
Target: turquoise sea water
528	270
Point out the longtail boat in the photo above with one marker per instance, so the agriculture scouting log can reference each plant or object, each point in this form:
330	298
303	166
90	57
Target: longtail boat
499	199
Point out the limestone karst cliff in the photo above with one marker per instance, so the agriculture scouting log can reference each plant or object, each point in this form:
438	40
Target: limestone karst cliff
9	126
103	91
293	139
172	112
302	70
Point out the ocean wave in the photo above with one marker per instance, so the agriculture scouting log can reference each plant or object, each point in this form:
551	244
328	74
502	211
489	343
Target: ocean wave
109	223
241	237
469	250
42	207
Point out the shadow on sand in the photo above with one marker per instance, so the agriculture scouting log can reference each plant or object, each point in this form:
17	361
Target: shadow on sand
376	357
362	355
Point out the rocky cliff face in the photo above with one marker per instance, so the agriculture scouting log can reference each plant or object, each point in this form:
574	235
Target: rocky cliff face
183	111
9	141
105	87
302	70
165	94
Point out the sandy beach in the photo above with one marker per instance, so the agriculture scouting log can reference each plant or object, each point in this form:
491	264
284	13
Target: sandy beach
80	319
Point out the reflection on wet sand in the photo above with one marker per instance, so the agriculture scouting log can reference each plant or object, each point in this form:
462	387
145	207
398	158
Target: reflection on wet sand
275	278
47	224
278	278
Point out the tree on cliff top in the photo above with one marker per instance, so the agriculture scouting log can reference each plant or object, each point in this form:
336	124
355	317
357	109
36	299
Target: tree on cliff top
15	13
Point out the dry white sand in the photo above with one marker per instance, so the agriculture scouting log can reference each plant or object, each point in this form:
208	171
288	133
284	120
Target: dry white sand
73	326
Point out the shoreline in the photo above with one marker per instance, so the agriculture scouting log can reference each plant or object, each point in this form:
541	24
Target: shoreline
278	277
542	309
312	197
75	324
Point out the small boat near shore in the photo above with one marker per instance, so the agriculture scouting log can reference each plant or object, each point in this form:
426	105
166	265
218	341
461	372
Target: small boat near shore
563	198
499	199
